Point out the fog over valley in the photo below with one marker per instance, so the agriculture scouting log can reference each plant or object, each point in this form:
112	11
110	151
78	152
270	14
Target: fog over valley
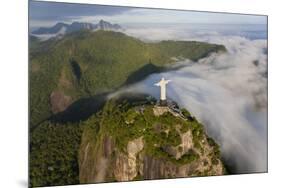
227	92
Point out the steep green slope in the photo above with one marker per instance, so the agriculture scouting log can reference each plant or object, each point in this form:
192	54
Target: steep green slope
138	141
87	63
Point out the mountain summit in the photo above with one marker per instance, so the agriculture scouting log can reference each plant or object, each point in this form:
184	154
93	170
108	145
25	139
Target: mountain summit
141	140
63	28
103	25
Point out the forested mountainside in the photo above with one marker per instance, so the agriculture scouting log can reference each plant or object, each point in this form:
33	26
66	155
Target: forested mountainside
87	63
70	77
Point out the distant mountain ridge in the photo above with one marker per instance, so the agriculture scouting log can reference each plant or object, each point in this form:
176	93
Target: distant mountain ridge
63	28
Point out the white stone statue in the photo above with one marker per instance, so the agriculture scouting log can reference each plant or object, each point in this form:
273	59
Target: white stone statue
162	84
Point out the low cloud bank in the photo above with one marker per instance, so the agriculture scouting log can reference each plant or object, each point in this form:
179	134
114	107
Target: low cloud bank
227	93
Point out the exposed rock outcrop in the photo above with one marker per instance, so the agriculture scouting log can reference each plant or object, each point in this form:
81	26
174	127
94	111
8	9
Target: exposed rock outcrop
59	101
126	165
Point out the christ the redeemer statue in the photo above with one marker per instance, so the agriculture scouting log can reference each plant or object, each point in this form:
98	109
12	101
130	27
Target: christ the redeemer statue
162	84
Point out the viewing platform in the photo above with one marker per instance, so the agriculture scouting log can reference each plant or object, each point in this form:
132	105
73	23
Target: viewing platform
171	107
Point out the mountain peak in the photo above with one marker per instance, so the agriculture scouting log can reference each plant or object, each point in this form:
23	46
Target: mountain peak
101	21
104	25
155	141
61	24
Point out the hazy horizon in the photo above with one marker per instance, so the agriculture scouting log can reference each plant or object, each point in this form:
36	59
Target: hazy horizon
46	14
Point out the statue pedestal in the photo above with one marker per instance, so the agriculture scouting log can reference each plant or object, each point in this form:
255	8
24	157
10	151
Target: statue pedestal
163	102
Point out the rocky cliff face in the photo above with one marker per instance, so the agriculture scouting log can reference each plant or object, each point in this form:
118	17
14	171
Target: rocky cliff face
127	166
145	146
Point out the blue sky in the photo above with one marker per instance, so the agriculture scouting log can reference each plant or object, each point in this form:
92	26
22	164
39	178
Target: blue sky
48	13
